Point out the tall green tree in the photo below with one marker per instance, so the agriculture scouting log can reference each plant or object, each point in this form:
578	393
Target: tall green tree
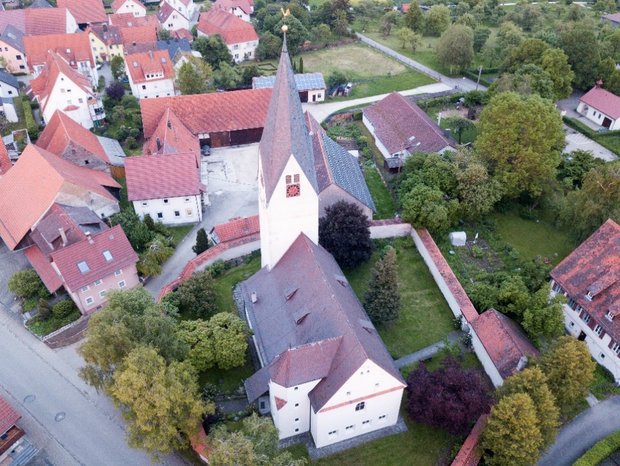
544	320
196	298
437	20
226	76
456	47
197	335
382	299
555	62
27	284
161	403
520	139
213	50
481	35
117	66
296	33
512	436
389	20
426	207
269	46
414	18
229	340
581	46
202	242
194	77
477	192
569	369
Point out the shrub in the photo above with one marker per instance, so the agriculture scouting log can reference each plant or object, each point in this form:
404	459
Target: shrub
27	284
63	308
600	451
31	125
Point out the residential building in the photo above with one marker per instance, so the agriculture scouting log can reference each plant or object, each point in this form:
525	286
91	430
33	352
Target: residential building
150	74
589	279
171	136
238	35
235	229
217	119
613	19
70	141
601	106
166	187
127	20
174	46
14	447
311	86
85	12
138	39
177	14
133	7
242	9
322	361
61	87
106	41
9	86
74	48
44	179
401	128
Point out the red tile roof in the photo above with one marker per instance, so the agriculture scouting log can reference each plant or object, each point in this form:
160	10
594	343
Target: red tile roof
72	47
210	113
8	416
172	136
595	267
63	130
140	64
92	251
129	20
604	101
228	5
469	454
116	4
44	269
110	35
85	11
232	29
139	35
503	340
39	176
162	176
46	21
401	125
613	17
236	228
5	161
182	34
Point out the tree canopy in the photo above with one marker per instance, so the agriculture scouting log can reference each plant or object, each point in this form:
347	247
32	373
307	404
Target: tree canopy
456	47
194	77
382	299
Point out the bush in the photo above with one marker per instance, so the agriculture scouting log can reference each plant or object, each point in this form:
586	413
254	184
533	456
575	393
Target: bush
63	308
600	451
336	78
27	284
31	125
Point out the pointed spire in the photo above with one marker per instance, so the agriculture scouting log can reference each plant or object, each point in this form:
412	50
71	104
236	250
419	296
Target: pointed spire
285	133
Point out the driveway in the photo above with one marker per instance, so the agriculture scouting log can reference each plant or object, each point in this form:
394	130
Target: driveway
582	432
10	262
575	140
231	183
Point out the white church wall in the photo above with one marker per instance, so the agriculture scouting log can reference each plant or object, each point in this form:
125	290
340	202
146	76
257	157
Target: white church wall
294	417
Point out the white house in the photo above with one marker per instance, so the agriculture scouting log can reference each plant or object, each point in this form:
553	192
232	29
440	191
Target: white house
167	187
9	88
322	361
601	106
133	7
177	14
589	278
242	9
311	86
60	87
238	35
151	74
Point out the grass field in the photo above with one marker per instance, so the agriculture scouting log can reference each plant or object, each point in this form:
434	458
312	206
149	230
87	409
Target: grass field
225	282
424	317
384	202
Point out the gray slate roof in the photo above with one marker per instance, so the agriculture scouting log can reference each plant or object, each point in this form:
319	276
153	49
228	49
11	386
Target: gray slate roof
13	36
40	4
9	79
113	150
304	82
173	46
285	131
309	324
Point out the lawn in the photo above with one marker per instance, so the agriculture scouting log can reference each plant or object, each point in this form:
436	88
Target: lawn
384	202
178	233
227	381
424	317
603	385
225	282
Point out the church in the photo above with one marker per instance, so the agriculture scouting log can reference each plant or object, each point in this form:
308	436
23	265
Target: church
323	363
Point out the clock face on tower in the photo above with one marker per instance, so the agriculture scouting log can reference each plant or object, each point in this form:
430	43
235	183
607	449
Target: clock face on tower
292	190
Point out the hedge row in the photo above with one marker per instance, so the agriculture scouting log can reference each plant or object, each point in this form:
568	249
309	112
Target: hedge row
600	450
31	125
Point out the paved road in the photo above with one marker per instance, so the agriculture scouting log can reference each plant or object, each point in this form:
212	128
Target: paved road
61	414
465	84
582	432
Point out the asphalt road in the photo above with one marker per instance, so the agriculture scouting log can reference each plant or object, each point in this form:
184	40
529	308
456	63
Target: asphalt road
61	414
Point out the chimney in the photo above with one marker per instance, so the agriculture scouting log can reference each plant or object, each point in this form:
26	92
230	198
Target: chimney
158	141
63	236
253	297
90	238
169	124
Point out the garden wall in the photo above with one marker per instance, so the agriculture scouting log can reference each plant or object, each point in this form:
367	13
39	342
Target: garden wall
392	228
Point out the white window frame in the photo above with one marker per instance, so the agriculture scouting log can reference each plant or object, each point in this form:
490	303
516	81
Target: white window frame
598	329
85	288
89	300
98	282
122	284
102	293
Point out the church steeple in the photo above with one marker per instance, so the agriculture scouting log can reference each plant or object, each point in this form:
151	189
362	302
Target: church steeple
285	133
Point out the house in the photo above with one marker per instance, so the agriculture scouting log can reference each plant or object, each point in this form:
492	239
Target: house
311	86
133	7
150	74
182	34
9	86
106	41
85	12
613	19
15	24
400	128
174	46
238	35
74	48
65	138
167	187
338	174
322	362
14	448
172	137
61	87
127	20
601	106
235	229
177	14
589	279
242	9
44	179
138	39
218	119
181	58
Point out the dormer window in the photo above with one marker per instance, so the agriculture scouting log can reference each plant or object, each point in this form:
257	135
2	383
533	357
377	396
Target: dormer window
589	296
292	186
610	315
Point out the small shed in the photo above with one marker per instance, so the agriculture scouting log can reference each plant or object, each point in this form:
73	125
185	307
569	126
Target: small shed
458	238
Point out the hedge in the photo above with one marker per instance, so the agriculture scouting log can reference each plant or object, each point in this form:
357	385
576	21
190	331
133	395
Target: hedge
600	451
31	125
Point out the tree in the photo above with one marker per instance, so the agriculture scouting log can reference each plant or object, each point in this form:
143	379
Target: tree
197	335
63	308
513	296
481	35
161	403
414	19
130	319
456	47
255	444
382	299
520	139
226	76
194	77
269	46
404	35
555	63
569	369
115	91
27	284
117	66
213	50
196	298
163	34
512	435
526	80
337	78
477	192
229	340
533	382
296	33
437	20
543	319
202	242
582	49
426	207
575	165
388	21
530	51
156	252
450	397
137	232
596	201
458	124
344	232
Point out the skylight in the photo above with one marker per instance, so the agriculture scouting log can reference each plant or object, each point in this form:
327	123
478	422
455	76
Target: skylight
83	266
108	255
